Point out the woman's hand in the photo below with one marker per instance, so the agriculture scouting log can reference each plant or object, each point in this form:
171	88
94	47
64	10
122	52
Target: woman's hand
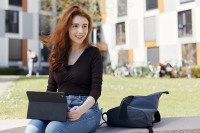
75	113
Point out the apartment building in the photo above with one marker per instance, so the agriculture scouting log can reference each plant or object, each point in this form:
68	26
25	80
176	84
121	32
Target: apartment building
142	31
21	24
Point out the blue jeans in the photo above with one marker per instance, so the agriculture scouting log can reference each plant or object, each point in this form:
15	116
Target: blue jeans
88	122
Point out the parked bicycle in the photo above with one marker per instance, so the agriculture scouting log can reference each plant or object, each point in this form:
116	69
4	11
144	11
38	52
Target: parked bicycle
109	69
122	71
151	71
188	68
128	70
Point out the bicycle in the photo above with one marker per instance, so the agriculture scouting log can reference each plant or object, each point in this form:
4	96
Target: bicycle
152	71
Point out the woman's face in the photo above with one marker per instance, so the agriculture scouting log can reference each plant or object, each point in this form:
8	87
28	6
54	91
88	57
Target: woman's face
78	30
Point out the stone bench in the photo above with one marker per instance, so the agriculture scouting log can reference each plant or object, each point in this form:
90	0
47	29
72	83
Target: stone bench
167	125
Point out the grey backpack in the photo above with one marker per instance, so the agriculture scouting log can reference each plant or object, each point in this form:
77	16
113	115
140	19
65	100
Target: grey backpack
135	112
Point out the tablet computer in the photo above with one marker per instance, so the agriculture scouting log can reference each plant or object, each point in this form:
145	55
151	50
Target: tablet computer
50	106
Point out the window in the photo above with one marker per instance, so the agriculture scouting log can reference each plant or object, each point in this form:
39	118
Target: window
12	21
44	25
185	23
15	50
153	55
122	7
15	2
120	33
150	29
99	35
185	1
151	4
123	57
189	53
45	54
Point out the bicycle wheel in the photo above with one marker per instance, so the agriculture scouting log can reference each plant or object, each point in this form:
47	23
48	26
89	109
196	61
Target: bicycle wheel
119	72
136	72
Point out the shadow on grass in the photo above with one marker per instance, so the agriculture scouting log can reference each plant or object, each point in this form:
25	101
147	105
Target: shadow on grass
31	78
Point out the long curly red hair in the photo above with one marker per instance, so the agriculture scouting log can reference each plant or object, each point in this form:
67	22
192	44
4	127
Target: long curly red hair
60	39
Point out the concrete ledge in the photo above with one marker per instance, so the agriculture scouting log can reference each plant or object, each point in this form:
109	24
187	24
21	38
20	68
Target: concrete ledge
167	125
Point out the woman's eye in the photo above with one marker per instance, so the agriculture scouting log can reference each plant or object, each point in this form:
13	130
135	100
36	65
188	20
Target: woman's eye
75	26
85	26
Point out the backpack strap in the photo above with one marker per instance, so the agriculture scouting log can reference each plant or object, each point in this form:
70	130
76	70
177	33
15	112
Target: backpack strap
105	113
123	110
150	129
156	117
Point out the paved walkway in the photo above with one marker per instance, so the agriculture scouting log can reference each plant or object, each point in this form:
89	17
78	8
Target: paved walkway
6	81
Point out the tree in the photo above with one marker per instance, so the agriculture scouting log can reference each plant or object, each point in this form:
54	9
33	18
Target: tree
57	7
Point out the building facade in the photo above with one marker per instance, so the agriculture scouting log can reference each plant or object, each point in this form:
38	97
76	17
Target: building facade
142	31
21	24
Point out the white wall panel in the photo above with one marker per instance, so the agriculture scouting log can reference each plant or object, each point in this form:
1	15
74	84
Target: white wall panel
132	33
168	29
2	25
27	25
110	40
197	25
4	4
170	53
169	5
3	52
33	6
111	11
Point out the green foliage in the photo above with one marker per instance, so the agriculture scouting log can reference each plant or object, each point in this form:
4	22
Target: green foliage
92	7
196	71
183	99
11	71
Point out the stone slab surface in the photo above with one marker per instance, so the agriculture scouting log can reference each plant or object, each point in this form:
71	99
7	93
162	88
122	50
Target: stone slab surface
167	125
13	126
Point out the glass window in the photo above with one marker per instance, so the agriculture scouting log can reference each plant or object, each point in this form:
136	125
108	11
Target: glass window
122	7
45	54
120	33
44	25
99	35
12	21
185	1
15	50
15	2
123	57
151	4
185	23
189	53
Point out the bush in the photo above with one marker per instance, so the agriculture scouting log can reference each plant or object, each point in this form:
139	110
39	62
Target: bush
11	71
196	71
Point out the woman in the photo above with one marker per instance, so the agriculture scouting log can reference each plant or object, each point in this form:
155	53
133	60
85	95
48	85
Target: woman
76	69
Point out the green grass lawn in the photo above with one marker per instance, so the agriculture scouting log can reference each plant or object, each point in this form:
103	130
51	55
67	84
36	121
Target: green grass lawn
183	99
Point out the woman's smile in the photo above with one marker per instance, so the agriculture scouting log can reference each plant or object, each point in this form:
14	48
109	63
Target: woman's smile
78	30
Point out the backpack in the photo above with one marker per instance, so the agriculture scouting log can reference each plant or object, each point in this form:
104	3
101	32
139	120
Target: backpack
35	59
135	112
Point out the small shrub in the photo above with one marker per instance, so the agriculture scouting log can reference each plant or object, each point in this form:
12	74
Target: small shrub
11	71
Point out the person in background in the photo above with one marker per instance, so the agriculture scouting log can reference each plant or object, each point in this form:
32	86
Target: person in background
75	68
30	56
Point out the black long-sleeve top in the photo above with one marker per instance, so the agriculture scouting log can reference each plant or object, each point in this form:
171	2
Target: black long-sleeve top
83	78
